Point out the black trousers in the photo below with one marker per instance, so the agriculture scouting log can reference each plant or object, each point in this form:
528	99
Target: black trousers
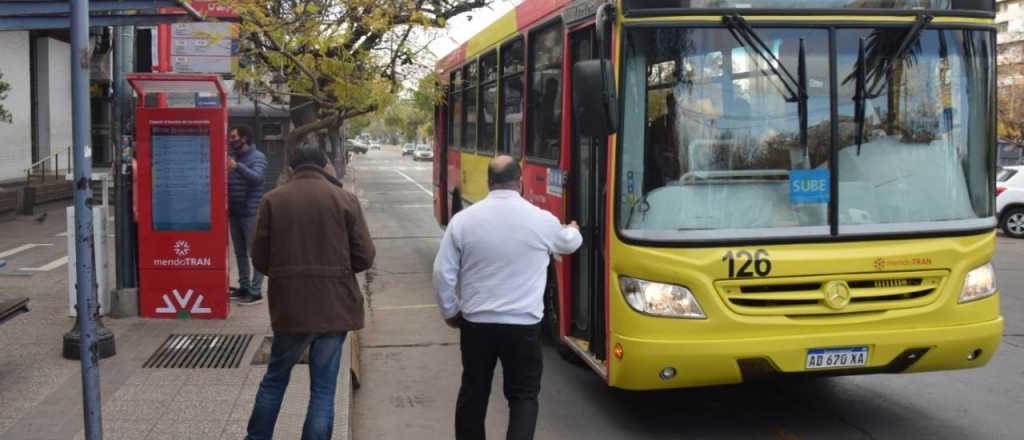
518	348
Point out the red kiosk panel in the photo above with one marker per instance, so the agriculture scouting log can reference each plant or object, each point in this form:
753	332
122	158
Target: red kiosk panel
181	206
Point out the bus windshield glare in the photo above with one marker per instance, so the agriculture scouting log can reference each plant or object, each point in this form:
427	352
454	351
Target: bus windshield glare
711	141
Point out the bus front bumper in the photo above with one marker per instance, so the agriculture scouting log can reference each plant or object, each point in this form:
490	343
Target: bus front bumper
718	362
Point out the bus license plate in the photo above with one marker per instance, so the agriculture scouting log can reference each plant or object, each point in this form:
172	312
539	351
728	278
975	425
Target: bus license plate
837	357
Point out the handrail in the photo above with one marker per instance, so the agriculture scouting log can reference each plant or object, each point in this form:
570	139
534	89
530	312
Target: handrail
42	163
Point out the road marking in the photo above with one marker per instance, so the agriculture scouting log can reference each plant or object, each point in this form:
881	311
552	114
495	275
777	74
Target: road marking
415	183
48	266
62	234
412	307
22	248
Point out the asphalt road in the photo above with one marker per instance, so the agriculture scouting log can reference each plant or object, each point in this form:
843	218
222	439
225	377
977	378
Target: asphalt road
986	403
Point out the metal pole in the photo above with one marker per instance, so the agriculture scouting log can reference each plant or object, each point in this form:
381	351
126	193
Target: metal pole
124	112
81	132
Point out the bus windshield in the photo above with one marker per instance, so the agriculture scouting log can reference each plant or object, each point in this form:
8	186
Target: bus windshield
711	141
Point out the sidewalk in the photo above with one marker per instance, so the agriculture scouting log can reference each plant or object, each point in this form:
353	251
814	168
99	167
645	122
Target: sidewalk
40	392
409	359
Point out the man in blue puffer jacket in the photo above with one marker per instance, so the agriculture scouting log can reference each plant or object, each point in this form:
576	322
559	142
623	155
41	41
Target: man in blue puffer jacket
246	165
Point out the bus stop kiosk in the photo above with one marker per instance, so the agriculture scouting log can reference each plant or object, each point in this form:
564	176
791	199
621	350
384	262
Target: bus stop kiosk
181	195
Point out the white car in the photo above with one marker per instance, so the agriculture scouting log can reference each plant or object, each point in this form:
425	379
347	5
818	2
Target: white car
423	152
1010	200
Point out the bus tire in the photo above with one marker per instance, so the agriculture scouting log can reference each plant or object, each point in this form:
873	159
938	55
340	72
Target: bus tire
1012	222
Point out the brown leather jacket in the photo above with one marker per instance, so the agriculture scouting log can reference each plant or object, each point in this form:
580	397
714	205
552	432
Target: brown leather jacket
311	239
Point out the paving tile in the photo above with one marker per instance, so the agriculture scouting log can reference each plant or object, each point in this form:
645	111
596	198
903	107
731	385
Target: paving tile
160	377
4	424
208	393
187	430
13	404
207	376
242	409
146	392
255	375
199	410
123	429
249	391
234	430
288	427
137	410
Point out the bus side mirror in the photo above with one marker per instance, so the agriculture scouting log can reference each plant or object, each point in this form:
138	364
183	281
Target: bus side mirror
595	106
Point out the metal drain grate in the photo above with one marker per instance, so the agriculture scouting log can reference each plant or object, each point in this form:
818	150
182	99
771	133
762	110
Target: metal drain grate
200	351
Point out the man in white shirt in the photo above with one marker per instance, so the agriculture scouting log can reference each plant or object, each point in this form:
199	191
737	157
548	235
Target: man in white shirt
497	251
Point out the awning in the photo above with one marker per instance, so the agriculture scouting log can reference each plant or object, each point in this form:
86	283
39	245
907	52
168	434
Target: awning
23	15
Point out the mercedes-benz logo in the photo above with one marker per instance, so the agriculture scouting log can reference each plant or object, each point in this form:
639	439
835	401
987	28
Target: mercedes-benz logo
837	295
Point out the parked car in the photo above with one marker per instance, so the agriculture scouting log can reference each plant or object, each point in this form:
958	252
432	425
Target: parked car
356	146
407	149
423	152
1010	200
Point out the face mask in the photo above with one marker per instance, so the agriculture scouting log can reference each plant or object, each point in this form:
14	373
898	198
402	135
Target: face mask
235	144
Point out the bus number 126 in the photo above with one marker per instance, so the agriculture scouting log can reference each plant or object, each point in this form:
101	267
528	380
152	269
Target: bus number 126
758	261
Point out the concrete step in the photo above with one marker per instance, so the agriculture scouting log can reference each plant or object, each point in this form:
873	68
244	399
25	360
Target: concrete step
52	190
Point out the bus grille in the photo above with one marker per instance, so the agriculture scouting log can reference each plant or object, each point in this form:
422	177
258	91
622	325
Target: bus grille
801	296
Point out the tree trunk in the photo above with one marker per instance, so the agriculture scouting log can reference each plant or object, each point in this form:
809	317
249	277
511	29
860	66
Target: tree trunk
337	146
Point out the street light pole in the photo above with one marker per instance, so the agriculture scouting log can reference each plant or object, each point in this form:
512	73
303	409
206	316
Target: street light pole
80	127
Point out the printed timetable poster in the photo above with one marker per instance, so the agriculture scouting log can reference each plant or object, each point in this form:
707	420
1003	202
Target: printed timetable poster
181	178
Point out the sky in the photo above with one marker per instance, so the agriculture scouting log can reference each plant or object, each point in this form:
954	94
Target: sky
463	27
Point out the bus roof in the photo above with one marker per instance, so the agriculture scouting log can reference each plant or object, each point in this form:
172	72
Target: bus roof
530	12
641	8
518	19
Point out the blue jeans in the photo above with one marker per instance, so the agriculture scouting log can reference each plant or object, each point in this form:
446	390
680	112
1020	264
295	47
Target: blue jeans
241	236
324	362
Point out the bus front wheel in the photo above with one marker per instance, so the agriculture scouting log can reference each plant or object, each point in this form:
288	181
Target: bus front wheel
1012	222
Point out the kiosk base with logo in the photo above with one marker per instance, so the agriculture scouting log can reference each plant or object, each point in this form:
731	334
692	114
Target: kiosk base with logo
181	197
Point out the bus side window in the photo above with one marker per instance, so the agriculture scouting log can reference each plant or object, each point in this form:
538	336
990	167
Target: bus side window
545	103
511	107
488	102
455	111
469	99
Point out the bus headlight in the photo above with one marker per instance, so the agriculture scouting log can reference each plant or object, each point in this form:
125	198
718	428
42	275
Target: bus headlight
660	299
979	283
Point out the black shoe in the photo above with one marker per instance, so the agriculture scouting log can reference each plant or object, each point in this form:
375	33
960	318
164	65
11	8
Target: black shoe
237	294
250	300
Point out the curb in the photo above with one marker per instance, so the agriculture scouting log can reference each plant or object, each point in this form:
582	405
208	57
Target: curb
345	412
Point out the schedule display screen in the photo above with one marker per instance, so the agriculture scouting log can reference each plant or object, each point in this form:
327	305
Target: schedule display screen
181	178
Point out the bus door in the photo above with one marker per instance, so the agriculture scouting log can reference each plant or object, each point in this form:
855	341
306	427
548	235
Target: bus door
586	205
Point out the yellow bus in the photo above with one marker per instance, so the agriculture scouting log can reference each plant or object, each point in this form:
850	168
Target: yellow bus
779	187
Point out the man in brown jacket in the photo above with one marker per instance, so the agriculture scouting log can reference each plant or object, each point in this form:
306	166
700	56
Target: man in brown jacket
311	239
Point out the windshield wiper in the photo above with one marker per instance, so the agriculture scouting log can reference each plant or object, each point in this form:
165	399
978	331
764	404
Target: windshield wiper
863	92
796	87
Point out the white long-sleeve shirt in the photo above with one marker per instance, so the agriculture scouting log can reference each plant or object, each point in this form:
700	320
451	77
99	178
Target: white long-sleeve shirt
498	252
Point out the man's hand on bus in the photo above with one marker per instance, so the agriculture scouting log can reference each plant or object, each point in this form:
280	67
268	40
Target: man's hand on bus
232	164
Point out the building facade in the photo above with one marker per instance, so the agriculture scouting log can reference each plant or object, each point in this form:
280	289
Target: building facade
1010	27
37	67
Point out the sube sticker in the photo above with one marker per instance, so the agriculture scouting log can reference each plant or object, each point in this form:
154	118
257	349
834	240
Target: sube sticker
807	187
